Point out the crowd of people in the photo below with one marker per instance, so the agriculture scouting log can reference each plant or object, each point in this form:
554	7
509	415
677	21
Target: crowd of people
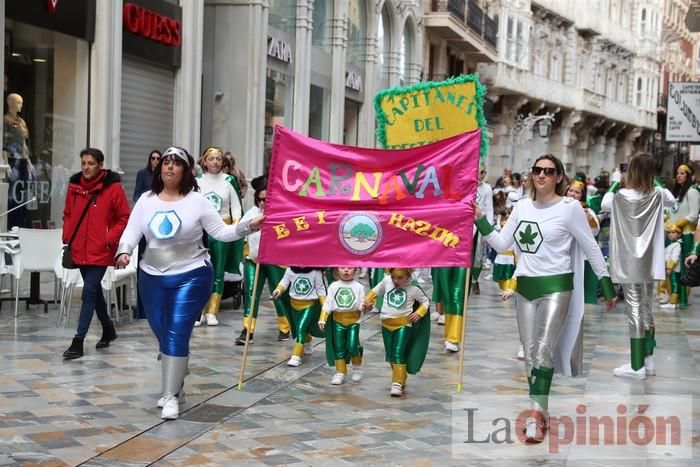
552	243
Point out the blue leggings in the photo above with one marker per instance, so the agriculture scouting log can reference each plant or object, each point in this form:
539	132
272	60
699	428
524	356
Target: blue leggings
173	303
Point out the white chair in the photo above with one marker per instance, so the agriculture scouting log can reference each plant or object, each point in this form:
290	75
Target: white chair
70	279
39	249
115	278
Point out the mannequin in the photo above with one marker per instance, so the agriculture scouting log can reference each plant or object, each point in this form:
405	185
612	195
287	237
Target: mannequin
15	128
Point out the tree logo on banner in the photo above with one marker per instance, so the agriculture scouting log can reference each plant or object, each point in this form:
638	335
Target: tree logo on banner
302	286
396	298
528	236
344	297
360	233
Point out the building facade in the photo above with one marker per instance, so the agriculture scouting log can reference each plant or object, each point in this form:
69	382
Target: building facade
588	68
123	76
311	65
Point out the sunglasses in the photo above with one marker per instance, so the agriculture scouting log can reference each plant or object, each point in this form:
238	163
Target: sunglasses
155	158
262	199
548	171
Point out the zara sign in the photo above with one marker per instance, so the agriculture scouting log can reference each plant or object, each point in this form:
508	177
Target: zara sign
279	49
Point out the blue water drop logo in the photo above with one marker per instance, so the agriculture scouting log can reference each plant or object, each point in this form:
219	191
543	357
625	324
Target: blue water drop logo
165	227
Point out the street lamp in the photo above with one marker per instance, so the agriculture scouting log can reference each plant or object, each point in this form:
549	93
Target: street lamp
544	126
524	124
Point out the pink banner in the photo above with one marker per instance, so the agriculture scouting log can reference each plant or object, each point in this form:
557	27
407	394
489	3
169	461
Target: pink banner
333	205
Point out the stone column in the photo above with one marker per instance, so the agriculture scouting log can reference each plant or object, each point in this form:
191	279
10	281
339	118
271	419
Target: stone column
188	79
339	33
365	133
233	97
106	81
302	67
3	163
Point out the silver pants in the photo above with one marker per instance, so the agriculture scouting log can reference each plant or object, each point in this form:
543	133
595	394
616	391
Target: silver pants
639	297
539	323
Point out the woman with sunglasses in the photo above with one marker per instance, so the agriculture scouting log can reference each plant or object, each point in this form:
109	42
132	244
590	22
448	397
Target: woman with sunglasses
144	177
546	228
218	188
267	272
636	212
176	269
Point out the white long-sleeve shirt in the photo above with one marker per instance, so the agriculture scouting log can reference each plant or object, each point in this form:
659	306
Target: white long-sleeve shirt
254	238
166	224
543	235
344	297
218	189
673	253
398	301
304	285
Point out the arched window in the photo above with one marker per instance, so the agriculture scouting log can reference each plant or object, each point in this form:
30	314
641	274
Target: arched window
384	46
357	32
639	92
323	18
405	53
643	23
282	15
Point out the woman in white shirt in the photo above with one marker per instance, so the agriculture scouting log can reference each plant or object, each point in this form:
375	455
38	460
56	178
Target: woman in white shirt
637	213
175	269
546	228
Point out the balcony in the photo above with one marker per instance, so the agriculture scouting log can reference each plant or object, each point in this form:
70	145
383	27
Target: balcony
465	27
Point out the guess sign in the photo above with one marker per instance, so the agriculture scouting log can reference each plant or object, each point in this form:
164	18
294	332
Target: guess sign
151	25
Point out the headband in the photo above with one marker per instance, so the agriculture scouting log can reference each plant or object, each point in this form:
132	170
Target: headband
177	152
578	184
212	149
686	169
675	228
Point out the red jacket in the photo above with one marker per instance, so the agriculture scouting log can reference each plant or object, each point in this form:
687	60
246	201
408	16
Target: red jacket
98	236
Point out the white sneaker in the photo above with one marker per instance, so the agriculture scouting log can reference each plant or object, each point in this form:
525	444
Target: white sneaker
434	316
649	366
356	374
669	306
294	361
211	320
171	408
662	298
199	322
396	390
181	399
308	350
337	379
451	347
627	371
521	353
441	320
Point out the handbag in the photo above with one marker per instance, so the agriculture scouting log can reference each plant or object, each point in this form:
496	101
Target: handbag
67	258
691	278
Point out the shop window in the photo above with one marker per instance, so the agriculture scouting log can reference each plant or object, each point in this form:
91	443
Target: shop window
384	46
319	113
279	91
45	120
357	33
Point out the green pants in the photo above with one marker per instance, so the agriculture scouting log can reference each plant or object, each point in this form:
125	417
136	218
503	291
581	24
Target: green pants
346	340
273	275
219	252
375	277
302	320
448	288
590	285
686	249
395	344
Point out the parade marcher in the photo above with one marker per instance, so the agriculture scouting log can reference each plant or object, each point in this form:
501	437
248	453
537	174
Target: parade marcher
405	334
684	214
340	318
218	189
672	257
94	216
504	263
577	191
637	213
546	227
307	293
269	273
144	177
484	198
176	269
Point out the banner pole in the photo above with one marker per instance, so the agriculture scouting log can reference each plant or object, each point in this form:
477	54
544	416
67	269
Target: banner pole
467	284
247	328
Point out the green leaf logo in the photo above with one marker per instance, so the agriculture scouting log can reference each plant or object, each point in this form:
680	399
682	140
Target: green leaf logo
528	236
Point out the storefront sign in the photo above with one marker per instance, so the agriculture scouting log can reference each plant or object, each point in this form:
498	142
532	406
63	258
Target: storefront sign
153	31
152	25
683	120
353	81
429	112
279	49
73	17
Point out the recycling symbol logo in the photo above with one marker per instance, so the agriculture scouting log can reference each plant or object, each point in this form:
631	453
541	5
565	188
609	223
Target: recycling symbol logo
215	200
302	286
396	298
528	236
344	297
